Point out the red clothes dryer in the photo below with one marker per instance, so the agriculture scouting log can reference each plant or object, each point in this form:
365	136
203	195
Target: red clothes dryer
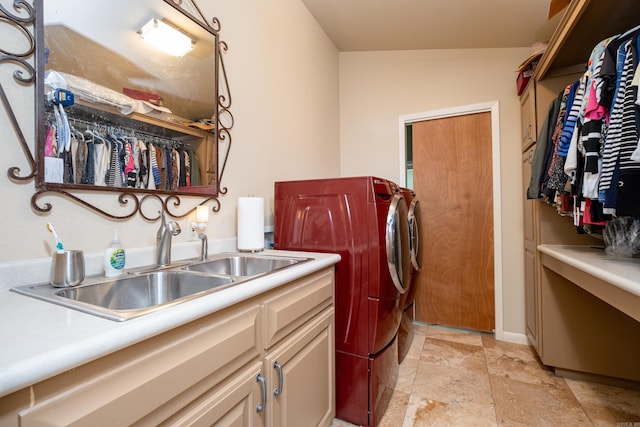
364	220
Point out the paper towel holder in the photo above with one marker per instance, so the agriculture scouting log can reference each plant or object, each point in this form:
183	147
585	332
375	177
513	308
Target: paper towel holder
250	224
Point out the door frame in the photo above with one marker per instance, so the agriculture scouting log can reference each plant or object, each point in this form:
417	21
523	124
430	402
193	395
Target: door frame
493	108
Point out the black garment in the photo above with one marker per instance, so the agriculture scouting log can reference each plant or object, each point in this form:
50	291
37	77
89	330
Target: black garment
67	176
543	143
182	182
628	197
89	175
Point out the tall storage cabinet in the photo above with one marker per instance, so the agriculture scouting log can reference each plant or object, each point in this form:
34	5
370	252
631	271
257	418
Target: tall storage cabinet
532	290
576	326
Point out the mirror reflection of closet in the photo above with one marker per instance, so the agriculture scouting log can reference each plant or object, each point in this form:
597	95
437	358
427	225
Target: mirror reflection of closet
128	99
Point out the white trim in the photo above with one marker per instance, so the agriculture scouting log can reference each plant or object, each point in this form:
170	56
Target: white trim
515	338
492	107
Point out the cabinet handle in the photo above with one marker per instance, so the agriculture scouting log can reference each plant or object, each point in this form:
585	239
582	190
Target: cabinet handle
278	391
530	159
528	133
262	382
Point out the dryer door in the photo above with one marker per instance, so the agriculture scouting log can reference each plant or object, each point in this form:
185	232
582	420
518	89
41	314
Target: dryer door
414	235
397	243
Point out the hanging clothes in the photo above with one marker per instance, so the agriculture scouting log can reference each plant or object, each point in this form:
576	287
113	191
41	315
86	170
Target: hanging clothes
88	175
50	143
112	156
129	169
187	168
595	139
101	156
195	169
80	155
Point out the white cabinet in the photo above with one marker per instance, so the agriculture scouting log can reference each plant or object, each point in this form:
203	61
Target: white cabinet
300	373
208	372
153	380
300	363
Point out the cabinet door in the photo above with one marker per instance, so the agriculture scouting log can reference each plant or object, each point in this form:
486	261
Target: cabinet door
531	287
233	404
528	116
300	376
152	380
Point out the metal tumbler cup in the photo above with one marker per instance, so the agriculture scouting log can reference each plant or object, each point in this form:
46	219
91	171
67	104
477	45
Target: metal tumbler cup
67	268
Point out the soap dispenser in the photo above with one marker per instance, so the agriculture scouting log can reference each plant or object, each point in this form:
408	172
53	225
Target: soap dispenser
114	258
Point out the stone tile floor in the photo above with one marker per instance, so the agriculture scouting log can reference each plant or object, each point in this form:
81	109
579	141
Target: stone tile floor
459	378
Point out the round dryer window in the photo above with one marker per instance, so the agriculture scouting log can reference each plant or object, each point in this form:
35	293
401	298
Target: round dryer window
414	235
397	243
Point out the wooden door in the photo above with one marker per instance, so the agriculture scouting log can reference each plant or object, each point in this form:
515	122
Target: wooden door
452	170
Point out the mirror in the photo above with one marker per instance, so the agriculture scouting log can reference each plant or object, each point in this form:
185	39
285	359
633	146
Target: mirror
100	43
116	114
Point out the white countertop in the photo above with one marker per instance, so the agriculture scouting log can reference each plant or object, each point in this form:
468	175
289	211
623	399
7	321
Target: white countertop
623	273
40	339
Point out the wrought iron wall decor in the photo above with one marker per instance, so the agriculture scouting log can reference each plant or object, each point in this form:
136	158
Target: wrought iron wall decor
24	20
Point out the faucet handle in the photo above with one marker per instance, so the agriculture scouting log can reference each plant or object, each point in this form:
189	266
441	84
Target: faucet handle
204	251
174	228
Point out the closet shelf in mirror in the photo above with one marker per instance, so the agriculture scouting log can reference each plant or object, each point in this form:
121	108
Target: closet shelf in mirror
109	116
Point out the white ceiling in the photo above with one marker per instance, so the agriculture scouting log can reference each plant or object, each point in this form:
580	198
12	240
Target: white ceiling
362	25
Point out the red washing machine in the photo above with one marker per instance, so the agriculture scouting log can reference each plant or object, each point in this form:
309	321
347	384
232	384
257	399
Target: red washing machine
364	220
405	333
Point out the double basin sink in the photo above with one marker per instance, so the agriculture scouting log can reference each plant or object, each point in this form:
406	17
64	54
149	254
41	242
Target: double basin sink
145	291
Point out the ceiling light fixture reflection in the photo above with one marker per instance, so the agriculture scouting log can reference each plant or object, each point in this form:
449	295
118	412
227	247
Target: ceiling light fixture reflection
164	36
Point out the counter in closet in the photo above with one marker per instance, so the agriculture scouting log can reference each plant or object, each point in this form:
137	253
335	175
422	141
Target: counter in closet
590	314
615	280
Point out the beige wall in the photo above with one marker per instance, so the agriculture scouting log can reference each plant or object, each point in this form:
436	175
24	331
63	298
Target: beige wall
378	87
283	73
301	111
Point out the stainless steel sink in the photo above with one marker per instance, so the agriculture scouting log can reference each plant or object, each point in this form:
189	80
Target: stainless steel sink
145	291
131	296
243	265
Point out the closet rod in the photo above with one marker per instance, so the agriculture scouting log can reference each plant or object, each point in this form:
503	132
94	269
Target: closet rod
147	137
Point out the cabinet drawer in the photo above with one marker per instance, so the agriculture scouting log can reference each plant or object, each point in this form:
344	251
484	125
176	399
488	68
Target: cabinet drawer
124	387
287	310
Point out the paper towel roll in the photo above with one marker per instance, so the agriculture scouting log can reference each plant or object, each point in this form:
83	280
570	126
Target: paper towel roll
250	223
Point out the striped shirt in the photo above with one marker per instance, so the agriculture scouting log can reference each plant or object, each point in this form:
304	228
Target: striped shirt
622	125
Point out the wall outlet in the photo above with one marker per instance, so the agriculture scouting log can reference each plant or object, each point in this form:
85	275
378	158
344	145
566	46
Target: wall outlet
192	232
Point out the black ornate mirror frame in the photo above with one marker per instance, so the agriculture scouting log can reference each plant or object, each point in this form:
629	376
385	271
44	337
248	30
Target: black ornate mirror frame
26	19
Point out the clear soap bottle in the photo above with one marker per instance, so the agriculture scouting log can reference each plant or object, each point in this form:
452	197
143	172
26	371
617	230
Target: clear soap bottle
114	258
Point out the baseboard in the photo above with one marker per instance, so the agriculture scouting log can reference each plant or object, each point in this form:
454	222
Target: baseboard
595	378
512	337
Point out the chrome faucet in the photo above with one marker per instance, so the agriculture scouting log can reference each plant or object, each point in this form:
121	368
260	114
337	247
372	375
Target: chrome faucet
204	250
163	240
